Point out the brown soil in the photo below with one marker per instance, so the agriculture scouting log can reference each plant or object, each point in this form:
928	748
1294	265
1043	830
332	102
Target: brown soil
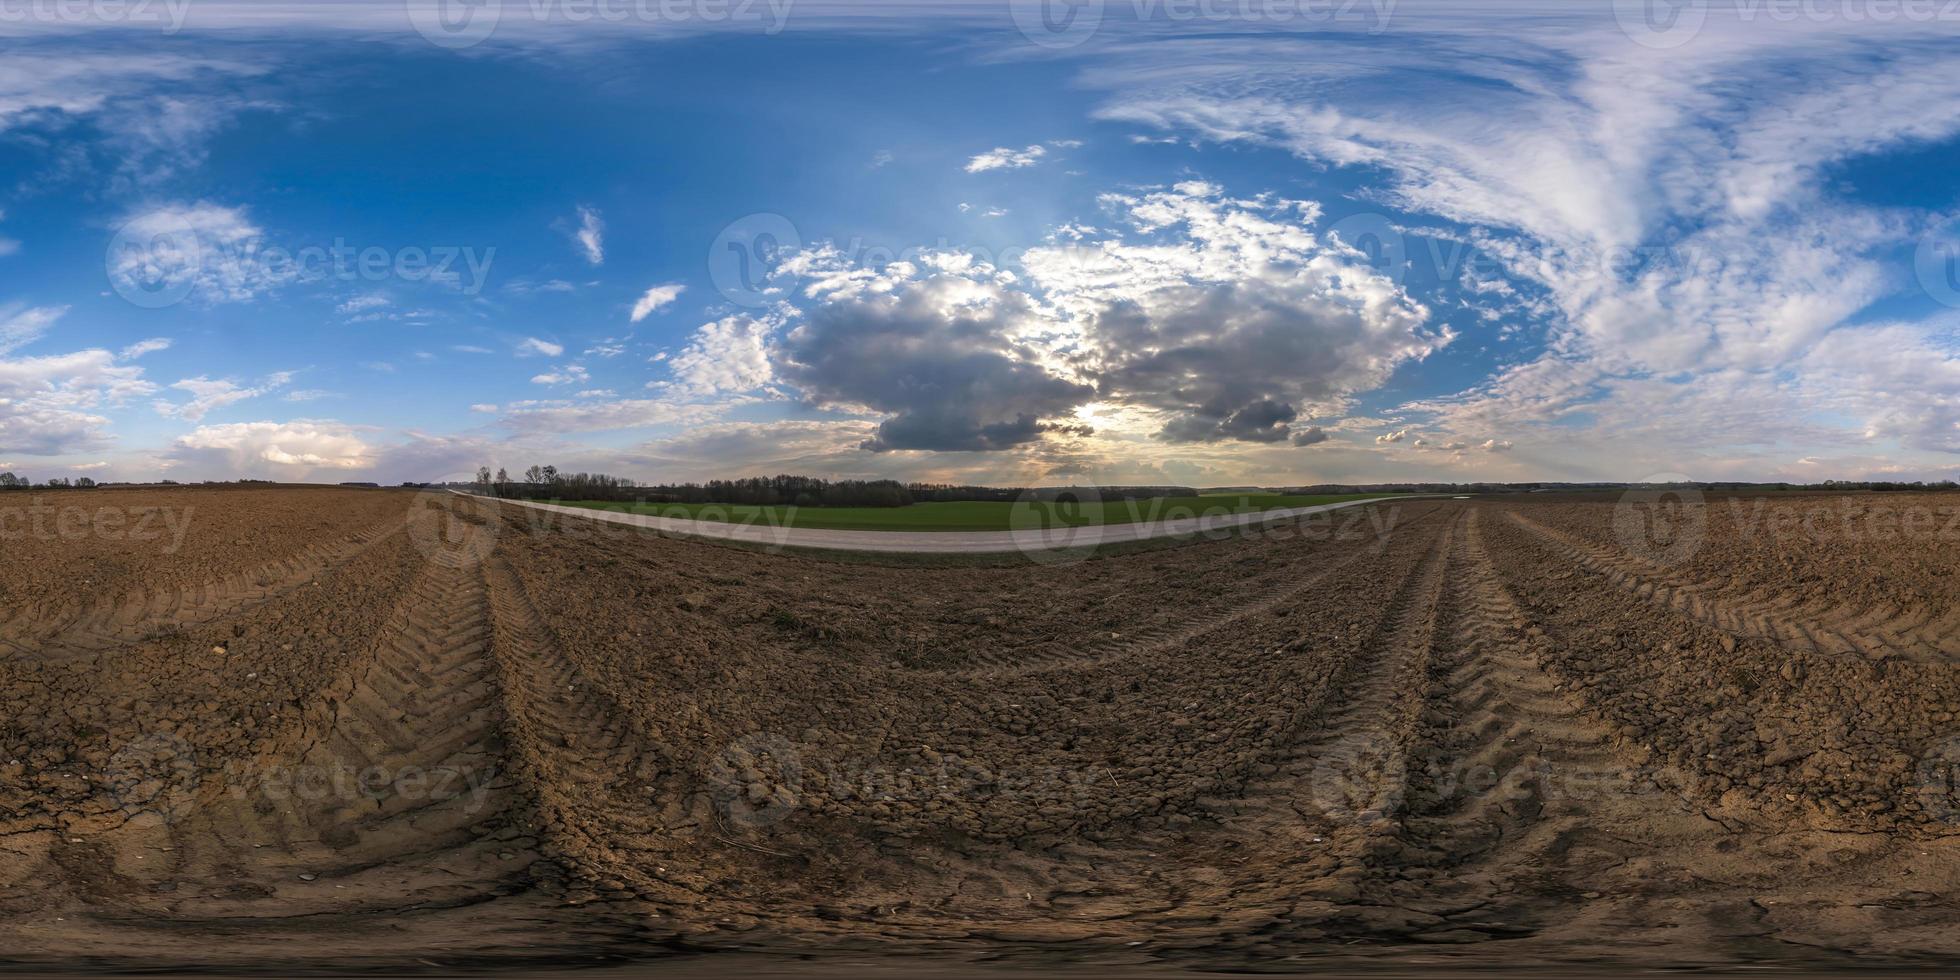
344	728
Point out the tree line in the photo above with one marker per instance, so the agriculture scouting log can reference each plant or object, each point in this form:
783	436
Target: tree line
8	481
545	483
783	489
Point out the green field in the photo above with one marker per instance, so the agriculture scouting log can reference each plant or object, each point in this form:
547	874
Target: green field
976	515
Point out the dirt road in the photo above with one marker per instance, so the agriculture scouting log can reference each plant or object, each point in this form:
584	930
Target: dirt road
945	542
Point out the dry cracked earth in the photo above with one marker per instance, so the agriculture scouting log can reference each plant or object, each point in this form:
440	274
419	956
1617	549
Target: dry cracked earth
382	729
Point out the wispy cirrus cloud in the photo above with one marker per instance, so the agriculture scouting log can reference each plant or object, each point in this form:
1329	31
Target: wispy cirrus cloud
590	235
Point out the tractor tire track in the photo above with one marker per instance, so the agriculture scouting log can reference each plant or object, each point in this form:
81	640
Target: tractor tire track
1171	636
111	622
1798	625
1333	805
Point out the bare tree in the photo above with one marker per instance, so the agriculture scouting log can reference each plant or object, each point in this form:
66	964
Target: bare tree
535	475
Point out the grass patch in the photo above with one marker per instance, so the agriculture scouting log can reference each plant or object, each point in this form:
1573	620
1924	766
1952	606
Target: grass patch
978	515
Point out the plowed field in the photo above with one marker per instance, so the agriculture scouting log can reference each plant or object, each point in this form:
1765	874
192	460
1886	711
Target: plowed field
387	729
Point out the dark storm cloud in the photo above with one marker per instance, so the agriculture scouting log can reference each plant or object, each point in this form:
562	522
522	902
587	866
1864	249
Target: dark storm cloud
945	372
1264	420
1239	360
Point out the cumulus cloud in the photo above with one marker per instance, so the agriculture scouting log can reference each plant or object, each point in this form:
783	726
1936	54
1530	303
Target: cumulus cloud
726	356
1310	436
590	235
50	406
1223	319
1006	158
656	299
280	450
1231	317
933	347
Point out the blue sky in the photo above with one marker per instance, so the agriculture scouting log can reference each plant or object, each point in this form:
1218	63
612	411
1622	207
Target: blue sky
1195	243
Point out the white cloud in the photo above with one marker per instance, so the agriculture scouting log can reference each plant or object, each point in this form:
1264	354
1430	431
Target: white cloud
282	450
50	406
471	349
1006	158
656	299
523	286
533	345
1679	212
590	235
569	374
363	303
631	413
142	347
22	326
1231	318
209	394
201	252
726	356
151	120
